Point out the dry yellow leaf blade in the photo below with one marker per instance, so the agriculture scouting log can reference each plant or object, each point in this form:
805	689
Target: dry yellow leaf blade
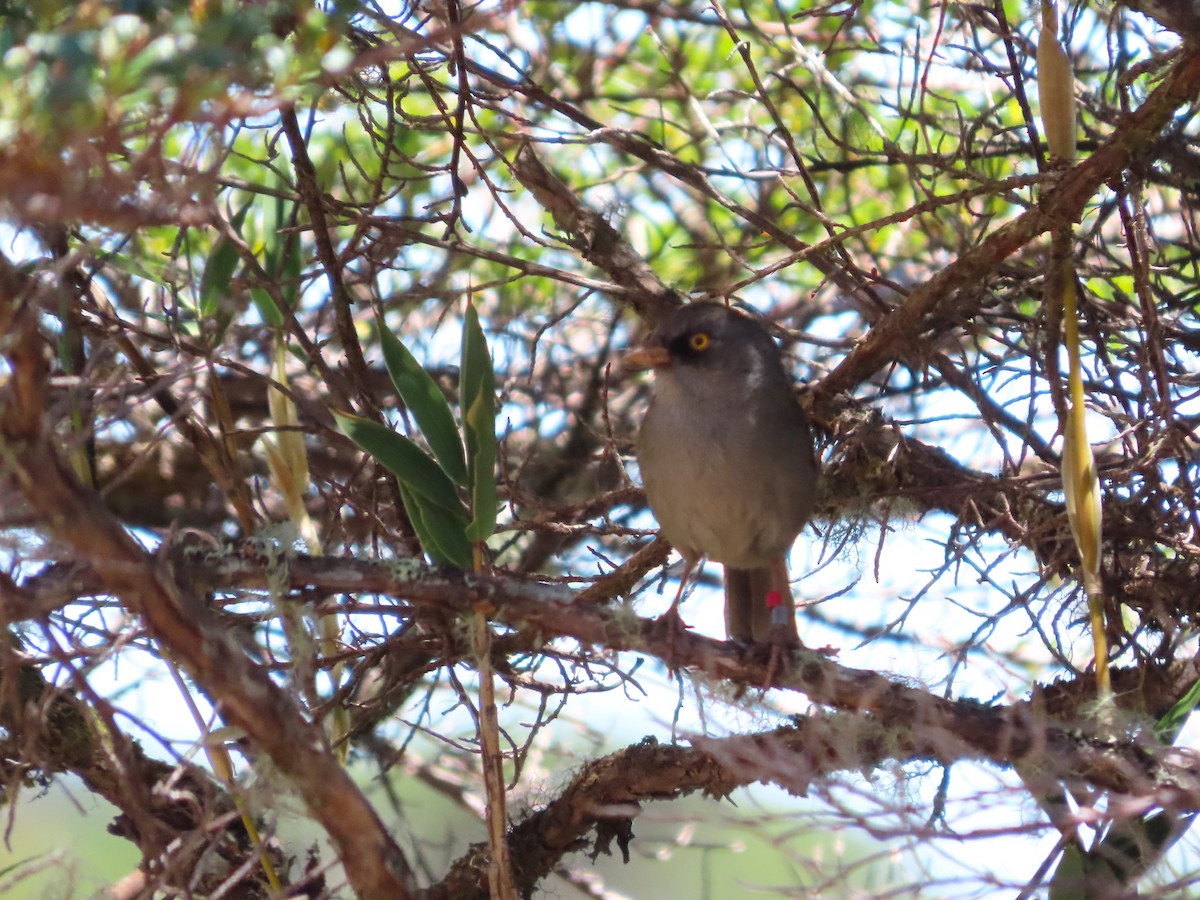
1081	482
1056	88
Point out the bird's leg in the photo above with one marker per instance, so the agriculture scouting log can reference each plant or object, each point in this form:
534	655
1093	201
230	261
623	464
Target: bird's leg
782	638
671	621
781	604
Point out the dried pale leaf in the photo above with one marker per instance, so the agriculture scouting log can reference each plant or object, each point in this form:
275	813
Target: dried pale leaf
1082	488
283	410
290	442
1056	93
222	735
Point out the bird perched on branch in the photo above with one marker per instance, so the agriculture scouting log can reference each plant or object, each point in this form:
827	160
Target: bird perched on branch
726	456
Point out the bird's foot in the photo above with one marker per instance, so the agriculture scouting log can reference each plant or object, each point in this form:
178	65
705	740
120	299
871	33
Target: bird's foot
781	646
670	626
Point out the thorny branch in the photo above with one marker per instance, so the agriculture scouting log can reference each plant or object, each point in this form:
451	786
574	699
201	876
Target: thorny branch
586	175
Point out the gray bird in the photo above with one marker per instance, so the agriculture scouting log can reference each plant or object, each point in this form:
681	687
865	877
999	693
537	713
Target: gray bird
726	456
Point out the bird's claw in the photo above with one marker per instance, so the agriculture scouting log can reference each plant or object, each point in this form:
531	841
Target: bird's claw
671	625
781	644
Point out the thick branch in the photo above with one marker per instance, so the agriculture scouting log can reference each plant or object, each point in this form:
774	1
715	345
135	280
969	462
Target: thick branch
998	733
607	794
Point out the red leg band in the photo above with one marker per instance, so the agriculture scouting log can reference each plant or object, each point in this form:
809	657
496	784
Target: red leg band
774	599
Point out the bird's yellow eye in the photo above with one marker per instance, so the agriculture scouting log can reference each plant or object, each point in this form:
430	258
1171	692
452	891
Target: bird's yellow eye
699	341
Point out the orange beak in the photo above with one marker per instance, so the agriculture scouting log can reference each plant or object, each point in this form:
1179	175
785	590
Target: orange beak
647	357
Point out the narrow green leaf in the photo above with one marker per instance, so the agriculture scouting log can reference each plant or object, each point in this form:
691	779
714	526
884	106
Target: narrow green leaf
149	267
281	259
477	375
478	399
441	533
281	256
416	518
1168	727
1069	878
481	435
268	309
291	267
410	463
272	240
1129	850
218	273
426	402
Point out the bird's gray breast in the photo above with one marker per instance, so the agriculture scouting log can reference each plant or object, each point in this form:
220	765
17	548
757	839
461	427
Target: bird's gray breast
726	478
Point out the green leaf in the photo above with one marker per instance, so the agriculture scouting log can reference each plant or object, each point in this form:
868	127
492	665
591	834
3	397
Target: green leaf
428	405
412	465
1068	880
281	260
267	308
1132	846
1167	728
291	268
481	436
441	534
478	400
142	267
477	376
218	273
282	255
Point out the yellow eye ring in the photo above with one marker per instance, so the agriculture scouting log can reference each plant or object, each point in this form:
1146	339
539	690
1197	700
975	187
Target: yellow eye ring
699	341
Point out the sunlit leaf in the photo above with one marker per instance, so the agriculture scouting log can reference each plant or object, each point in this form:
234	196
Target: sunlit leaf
218	271
1169	725
140	266
268	309
480	423
478	397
